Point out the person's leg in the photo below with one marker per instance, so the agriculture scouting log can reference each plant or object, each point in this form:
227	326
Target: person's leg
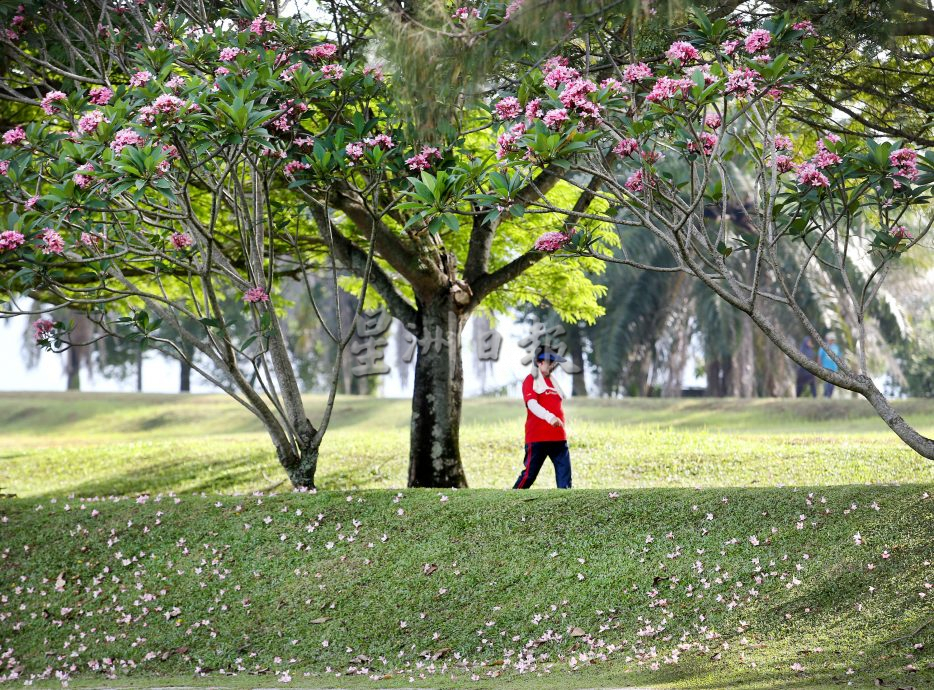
828	390
535	454
813	385
799	387
561	457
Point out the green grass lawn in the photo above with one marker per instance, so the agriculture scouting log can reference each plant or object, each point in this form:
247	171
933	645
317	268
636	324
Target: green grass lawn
716	546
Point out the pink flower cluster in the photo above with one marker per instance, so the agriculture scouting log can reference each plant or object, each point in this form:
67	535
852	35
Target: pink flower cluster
166	104
15	136
906	161
293	167
292	112
465	13
141	78
550	242
757	40
125	137
255	294
506	142
508	108
54	244
806	26
824	158
784	163
229	54
637	72
181	240
89	122
626	147
52	97
708	141
384	141
42	329
666	88
260	25
175	83
635	183
512	8
17	25
809	174
742	82
422	160
325	50
355	150
576	95
100	95
10	240
729	47
712	120
81	180
782	143
901	232
613	85
561	74
90	240
555	118
683	51
332	71
533	109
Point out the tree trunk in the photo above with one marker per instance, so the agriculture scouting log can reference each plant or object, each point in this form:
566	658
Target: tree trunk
300	464
434	453
139	369
73	368
575	343
744	362
184	385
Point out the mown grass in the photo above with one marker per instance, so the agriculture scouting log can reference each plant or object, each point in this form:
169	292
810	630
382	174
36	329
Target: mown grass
728	574
56	444
728	523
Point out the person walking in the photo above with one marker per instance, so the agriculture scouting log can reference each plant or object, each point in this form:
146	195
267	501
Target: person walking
545	435
827	362
806	379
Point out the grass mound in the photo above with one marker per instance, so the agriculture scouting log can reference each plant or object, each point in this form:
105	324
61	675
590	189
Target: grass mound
698	588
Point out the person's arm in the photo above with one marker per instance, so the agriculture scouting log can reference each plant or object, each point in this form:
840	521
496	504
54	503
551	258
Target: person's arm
536	408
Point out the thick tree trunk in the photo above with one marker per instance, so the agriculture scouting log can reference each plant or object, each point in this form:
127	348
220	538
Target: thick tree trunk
73	368
575	343
434	453
184	384
300	464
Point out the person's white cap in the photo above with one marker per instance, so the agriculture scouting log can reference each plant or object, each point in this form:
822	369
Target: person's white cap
830	336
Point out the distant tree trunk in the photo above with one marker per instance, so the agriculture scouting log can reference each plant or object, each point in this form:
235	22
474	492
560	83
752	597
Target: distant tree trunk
679	328
743	384
575	343
73	369
139	369
184	385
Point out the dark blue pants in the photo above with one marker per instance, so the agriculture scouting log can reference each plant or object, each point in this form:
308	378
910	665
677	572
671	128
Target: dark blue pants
535	454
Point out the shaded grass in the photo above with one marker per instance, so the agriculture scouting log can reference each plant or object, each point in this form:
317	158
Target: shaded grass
743	612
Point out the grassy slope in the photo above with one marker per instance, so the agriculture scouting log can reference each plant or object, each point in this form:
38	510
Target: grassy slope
504	558
502	543
99	444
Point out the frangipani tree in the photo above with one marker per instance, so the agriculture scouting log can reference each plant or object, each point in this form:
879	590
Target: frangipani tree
660	137
154	198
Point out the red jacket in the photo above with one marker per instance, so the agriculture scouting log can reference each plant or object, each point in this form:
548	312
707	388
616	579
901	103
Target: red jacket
547	394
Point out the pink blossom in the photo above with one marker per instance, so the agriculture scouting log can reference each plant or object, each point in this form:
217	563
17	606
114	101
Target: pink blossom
729	47
683	51
384	141
757	40
636	72
229	54
355	150
54	244
555	118
652	156
825	158
325	50
906	161
708	141
613	85
293	167
422	160
10	240
31	201
261	25
550	241
783	143
901	232
464	13
100	95
255	294
833	138
512	8
784	163
42	329
666	88
742	82
560	75
375	71
288	73
712	120
305	142
141	78
81	180
576	94
15	136
221	71
534	109
160	27
506	141
176	82
125	137
626	147
634	182
50	99
4	167
181	240
806	26
90	240
554	62
809	174
332	71
704	70
89	123
508	108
